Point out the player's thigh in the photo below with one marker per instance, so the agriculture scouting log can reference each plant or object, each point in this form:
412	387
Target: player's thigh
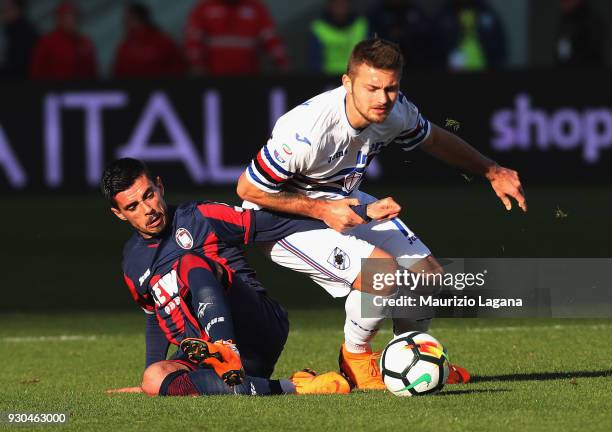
261	325
329	258
396	238
258	319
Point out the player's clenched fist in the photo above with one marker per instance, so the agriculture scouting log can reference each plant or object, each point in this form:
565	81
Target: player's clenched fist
384	209
338	215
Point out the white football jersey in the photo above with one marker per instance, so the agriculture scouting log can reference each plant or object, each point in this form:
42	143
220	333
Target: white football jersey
314	150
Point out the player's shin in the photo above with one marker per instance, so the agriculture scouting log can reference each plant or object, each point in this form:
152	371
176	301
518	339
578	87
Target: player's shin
201	382
365	314
209	303
359	330
417	317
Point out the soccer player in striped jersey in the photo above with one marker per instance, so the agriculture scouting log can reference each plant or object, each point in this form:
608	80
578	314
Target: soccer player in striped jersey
185	268
313	165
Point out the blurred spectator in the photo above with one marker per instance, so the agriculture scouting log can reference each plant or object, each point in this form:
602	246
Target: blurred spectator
224	37
333	36
469	36
19	37
146	51
405	23
582	35
64	52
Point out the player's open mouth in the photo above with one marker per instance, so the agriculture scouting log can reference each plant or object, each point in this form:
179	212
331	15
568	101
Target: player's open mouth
155	221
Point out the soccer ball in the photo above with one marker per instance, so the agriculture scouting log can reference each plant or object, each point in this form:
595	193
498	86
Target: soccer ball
414	363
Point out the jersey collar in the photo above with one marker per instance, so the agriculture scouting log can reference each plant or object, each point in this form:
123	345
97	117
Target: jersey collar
344	117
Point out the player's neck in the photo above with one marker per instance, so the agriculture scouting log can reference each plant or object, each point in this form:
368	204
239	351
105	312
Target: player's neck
355	119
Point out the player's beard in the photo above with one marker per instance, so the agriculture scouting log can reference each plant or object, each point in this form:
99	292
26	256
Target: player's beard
371	117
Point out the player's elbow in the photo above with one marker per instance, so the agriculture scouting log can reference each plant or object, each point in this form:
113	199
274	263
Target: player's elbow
247	191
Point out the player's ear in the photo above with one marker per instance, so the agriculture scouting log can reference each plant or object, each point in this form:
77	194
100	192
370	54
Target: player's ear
118	213
347	83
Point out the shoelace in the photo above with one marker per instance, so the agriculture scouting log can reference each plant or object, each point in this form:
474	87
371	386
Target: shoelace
373	369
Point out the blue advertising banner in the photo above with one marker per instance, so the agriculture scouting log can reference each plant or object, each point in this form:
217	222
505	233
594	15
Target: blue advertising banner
553	127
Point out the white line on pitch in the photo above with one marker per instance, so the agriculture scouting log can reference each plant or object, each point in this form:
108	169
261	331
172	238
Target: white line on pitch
59	338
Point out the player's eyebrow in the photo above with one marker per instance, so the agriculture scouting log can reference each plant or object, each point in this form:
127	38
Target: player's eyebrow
389	87
135	202
130	205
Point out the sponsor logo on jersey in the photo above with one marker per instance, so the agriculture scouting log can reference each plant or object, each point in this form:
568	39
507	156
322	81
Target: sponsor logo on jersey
352	180
183	238
144	277
165	290
287	149
202	309
278	157
336	156
339	259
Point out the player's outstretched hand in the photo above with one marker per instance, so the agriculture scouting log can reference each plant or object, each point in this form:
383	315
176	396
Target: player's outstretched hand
506	184
339	216
384	209
125	390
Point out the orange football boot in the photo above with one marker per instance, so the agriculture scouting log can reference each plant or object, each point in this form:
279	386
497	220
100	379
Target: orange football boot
221	355
307	381
361	369
457	375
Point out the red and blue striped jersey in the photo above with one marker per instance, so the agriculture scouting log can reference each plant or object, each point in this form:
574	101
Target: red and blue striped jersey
213	231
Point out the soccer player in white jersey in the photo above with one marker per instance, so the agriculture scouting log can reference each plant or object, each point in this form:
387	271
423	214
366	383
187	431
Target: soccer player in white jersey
313	164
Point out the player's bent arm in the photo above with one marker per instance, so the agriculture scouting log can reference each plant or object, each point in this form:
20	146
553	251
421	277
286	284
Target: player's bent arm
285	202
453	150
337	214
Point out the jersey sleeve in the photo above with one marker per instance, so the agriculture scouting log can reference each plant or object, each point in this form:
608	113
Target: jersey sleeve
416	128
285	154
144	300
231	224
273	226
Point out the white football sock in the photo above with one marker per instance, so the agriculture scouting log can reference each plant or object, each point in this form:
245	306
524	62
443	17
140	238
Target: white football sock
359	331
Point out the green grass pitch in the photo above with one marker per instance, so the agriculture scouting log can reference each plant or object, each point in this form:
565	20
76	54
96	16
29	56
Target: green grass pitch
528	375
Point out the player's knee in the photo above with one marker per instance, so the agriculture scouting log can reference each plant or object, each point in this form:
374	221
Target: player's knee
433	275
192	261
384	264
154	375
429	265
